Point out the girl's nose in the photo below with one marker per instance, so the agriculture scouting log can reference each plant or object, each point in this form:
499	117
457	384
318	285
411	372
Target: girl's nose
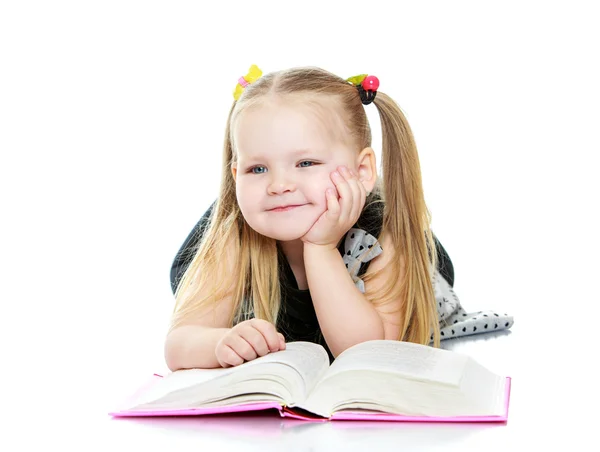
281	183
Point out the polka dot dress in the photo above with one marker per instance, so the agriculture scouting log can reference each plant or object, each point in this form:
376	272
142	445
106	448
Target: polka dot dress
455	321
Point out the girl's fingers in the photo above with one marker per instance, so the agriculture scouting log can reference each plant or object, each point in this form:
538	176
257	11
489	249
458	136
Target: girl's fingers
363	193
281	341
345	191
352	197
269	333
254	337
240	346
230	358
333	206
358	195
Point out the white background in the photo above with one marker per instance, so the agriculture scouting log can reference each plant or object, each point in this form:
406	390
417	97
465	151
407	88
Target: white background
112	119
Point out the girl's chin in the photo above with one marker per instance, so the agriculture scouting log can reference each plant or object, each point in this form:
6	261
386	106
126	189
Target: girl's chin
283	236
283	232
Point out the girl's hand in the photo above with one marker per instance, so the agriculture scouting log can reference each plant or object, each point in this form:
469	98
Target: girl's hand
342	213
247	341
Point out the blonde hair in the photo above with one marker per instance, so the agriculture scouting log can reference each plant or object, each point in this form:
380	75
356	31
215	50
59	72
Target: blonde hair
406	217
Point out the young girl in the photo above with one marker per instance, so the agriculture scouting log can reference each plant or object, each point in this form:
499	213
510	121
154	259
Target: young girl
306	242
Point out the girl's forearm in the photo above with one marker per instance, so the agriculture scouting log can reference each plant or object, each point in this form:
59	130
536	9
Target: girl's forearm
345	316
193	346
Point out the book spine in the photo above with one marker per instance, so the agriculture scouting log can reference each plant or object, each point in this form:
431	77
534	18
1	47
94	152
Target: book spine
297	413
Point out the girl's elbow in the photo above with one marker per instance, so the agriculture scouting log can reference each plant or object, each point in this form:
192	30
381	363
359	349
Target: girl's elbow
173	352
377	334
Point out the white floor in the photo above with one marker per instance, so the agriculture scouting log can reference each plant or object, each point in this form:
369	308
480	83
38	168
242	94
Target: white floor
112	118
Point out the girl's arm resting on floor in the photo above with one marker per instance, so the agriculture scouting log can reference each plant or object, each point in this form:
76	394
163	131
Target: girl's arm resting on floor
193	346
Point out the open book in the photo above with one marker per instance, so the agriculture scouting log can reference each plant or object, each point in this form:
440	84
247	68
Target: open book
374	380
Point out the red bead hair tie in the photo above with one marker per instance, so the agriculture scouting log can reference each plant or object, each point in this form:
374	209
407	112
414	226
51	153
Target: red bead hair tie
367	86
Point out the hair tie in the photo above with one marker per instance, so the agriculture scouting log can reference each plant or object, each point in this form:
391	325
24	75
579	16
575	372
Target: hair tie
254	73
367	86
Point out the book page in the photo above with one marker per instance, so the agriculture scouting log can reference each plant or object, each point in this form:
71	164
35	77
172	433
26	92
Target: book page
414	361
309	359
305	364
405	378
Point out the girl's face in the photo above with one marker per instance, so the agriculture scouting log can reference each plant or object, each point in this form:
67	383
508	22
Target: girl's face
285	155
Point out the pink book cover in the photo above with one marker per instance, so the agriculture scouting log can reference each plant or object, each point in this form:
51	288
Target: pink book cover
300	414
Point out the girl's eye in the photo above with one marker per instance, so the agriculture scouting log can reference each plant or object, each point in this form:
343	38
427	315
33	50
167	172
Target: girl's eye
306	161
252	170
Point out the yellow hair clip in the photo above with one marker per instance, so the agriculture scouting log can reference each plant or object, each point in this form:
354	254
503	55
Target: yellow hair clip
253	75
357	79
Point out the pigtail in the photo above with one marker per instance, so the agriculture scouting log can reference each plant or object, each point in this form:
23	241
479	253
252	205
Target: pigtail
407	220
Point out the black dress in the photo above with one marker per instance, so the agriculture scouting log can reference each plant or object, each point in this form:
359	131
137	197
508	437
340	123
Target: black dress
297	319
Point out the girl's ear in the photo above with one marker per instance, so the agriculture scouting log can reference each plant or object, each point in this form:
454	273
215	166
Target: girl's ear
367	168
234	170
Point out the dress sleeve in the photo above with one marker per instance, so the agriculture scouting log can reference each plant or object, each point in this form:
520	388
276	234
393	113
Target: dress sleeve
444	264
186	252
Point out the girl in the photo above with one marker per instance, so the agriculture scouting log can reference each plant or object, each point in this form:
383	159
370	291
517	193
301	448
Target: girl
306	241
